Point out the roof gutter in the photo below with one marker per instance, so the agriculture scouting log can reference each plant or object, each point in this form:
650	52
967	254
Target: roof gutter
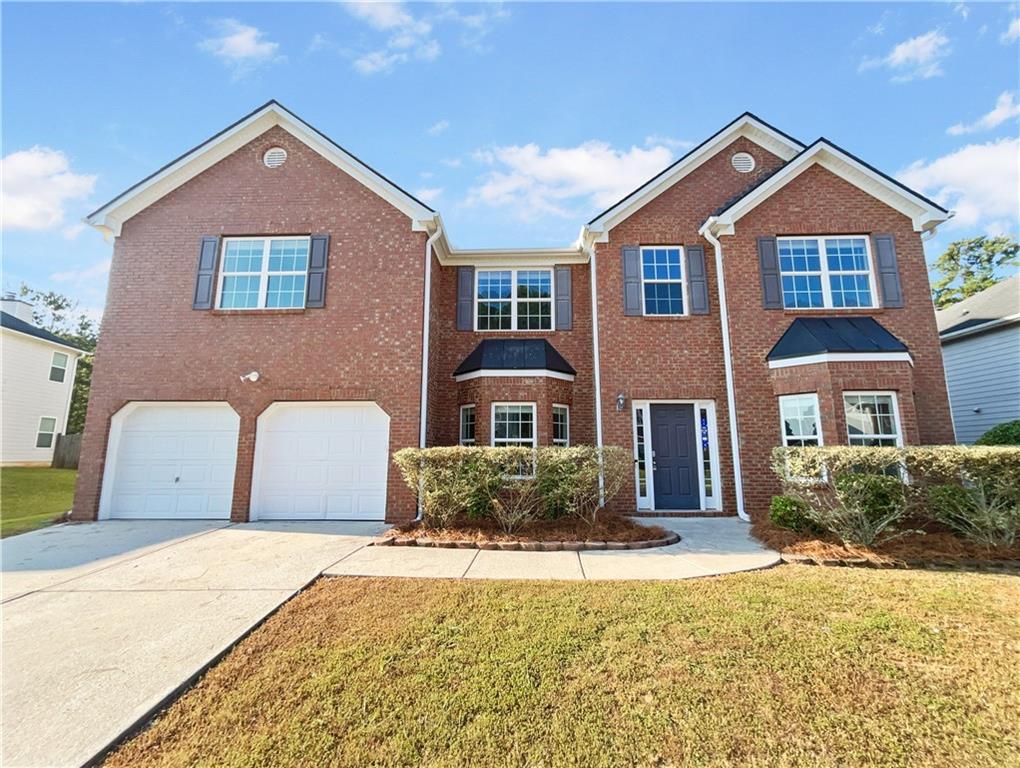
731	400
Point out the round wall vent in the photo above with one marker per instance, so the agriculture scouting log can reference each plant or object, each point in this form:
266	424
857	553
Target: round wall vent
277	156
742	162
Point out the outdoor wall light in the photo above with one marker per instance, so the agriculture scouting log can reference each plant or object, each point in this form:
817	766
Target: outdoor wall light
253	376
621	400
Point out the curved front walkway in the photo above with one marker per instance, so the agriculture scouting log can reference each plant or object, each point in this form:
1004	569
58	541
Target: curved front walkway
707	547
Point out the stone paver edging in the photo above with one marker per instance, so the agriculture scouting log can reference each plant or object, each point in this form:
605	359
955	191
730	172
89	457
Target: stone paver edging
525	546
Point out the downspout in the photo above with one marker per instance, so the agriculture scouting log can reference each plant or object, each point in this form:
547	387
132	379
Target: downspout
425	323
596	361
731	404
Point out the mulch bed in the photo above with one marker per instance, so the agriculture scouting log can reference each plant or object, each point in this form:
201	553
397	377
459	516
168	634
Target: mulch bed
934	548
608	532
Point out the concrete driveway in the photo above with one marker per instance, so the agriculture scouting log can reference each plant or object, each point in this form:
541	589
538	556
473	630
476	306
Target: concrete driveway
103	621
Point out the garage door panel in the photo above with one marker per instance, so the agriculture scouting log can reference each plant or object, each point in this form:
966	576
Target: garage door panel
312	447
309	474
343	446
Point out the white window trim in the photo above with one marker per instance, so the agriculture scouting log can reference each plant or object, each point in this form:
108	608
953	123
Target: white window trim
52	433
682	280
513	373
565	443
461	440
843	357
646	503
824	272
263	275
514	299
64	367
492	422
895	412
782	419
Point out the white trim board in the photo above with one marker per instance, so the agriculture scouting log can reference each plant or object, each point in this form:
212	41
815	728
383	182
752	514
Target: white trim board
842	357
503	373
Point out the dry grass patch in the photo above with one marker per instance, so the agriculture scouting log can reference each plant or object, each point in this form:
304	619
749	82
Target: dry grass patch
785	667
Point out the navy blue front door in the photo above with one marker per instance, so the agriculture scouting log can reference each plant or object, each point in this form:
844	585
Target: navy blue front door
675	457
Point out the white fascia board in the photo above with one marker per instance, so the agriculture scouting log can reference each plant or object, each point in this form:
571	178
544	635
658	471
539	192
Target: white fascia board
843	357
991	325
921	213
747	126
111	217
501	373
542	257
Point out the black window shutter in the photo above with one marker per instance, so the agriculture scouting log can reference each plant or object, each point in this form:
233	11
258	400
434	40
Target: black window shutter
318	262
631	279
888	271
465	298
205	280
771	285
564	299
697	279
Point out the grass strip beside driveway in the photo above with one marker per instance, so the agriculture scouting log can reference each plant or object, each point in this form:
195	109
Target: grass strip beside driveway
33	497
792	666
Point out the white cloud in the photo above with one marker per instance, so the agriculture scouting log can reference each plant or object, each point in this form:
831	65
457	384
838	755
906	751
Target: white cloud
475	27
437	128
378	61
963	9
428	194
563	181
240	46
917	58
676	145
95	272
452	162
37	185
1005	109
878	28
1012	32
980	182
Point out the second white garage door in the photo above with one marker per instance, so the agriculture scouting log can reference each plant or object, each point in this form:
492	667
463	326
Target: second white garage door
321	461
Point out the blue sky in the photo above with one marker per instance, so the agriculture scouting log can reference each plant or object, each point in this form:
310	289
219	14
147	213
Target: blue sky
517	121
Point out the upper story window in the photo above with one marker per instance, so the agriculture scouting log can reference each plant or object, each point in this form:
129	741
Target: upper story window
514	300
263	273
58	366
799	414
467	425
872	418
826	272
662	280
561	425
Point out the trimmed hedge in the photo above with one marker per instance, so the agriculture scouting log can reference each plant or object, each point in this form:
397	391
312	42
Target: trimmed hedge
1007	433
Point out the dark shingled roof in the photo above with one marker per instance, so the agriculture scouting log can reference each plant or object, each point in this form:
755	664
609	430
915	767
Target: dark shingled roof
818	335
13	323
514	354
991	305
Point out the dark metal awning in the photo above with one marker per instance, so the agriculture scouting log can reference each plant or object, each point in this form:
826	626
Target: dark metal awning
513	355
820	335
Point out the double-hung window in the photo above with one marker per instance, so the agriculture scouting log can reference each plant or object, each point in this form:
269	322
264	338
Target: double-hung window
799	414
58	366
513	425
826	272
561	425
872	418
44	436
514	300
263	273
467	425
662	283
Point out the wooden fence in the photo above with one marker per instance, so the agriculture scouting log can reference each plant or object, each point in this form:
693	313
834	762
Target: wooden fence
65	452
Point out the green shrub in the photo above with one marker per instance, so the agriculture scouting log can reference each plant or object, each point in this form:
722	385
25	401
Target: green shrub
992	520
864	509
569	479
790	512
1007	433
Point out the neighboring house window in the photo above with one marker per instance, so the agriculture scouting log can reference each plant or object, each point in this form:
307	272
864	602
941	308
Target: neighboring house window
513	424
826	272
799	414
514	299
662	280
44	437
561	425
467	425
872	418
263	273
58	366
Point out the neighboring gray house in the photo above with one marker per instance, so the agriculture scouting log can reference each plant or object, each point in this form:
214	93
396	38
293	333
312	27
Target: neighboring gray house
981	350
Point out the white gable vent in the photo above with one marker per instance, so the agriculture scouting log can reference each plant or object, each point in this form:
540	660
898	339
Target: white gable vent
277	156
742	162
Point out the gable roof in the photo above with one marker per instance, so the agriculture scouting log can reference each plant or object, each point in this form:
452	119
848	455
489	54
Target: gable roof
923	212
514	355
16	324
111	217
747	125
993	307
819	335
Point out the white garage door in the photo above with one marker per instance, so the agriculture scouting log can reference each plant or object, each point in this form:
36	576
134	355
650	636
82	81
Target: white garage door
321	461
171	460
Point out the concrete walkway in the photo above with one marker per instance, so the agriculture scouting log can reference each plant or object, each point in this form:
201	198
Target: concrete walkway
707	547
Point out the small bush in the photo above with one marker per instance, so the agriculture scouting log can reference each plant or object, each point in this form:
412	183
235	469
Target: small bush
992	520
1007	433
790	512
569	479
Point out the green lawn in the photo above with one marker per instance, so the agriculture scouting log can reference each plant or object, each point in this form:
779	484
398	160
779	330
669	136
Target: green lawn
795	666
33	497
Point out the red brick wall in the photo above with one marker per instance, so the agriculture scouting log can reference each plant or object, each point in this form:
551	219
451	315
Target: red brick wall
817	203
671	358
364	345
542	391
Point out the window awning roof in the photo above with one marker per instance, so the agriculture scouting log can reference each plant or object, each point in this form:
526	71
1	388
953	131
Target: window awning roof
808	336
514	355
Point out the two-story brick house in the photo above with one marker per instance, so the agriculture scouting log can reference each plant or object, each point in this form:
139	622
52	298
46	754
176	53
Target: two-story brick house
281	318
